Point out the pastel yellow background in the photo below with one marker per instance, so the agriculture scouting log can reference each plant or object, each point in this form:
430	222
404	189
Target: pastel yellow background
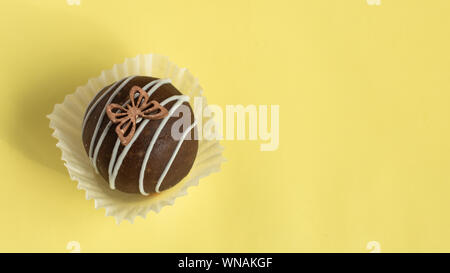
364	95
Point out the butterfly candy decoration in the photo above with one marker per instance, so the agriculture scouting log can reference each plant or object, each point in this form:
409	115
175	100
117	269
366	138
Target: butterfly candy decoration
140	107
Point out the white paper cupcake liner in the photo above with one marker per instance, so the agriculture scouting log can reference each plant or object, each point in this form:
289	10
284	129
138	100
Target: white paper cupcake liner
66	121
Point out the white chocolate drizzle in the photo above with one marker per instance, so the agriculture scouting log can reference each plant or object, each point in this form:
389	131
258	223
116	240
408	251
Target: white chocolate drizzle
95	104
172	158
116	161
102	114
156	84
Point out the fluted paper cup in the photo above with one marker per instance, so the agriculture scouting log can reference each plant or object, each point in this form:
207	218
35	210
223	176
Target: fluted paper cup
66	121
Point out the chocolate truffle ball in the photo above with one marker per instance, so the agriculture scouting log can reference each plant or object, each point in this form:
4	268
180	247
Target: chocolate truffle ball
128	133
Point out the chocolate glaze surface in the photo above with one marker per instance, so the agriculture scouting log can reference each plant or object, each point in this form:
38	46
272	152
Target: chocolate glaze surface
127	179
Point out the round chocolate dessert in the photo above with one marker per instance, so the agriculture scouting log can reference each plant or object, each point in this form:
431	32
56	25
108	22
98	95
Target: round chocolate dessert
139	133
